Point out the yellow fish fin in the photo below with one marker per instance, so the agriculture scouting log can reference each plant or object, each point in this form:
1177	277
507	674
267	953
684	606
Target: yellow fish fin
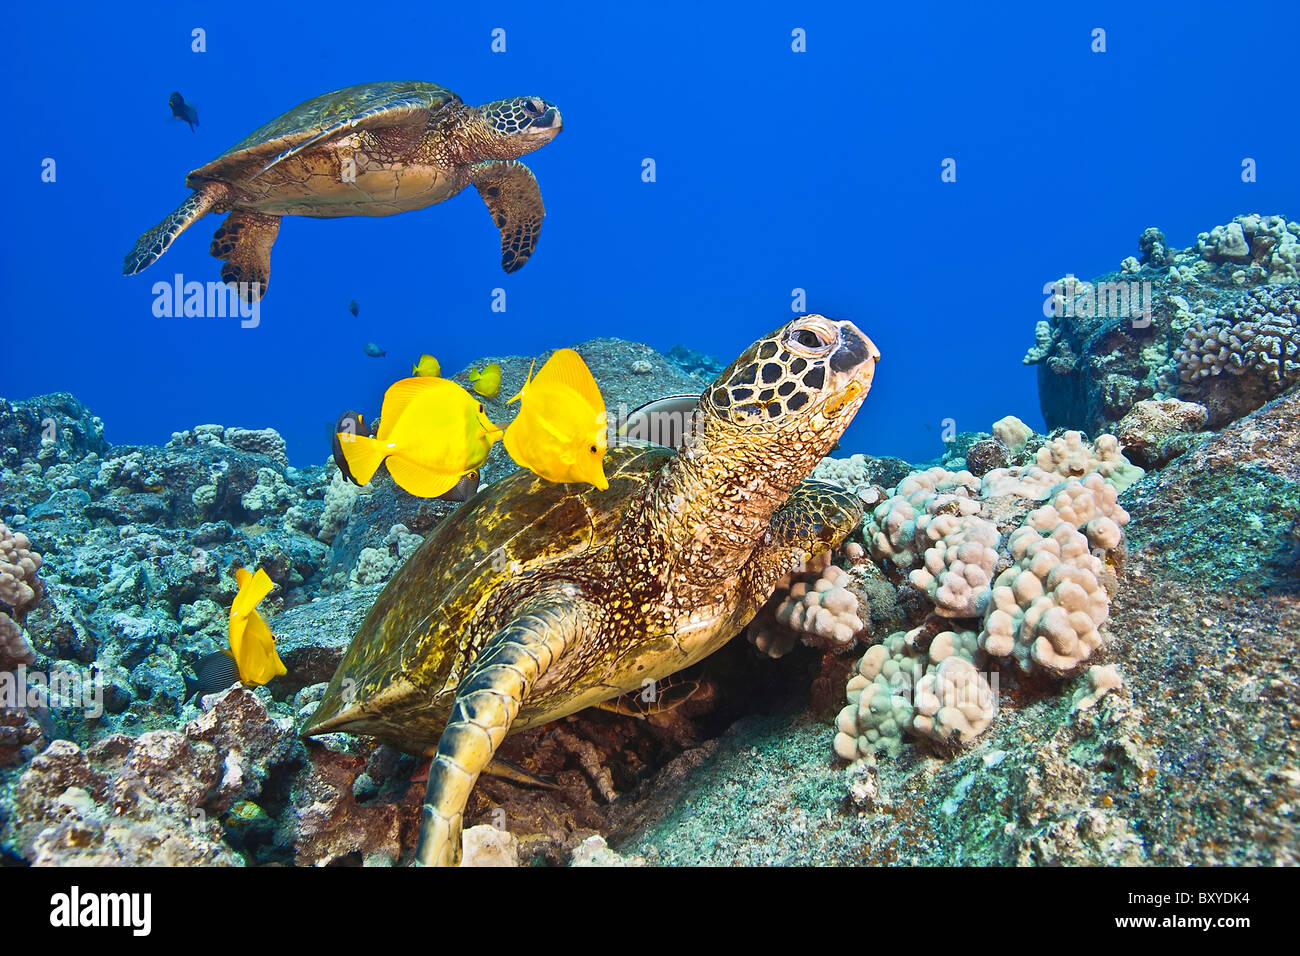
520	393
363	454
399	397
420	481
252	588
474	375
566	368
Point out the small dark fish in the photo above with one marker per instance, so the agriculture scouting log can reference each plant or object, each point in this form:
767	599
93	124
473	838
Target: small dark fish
463	489
374	351
662	421
213	673
183	111
349	423
354	308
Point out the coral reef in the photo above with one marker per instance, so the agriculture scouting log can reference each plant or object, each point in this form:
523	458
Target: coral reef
154	799
864	475
1026	580
1256	341
20	588
703	368
819	605
1109	344
984	617
1185	760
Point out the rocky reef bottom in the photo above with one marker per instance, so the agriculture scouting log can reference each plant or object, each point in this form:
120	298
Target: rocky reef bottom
114	566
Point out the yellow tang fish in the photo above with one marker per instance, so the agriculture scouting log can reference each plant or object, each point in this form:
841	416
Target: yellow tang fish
559	432
431	433
427	366
487	382
251	643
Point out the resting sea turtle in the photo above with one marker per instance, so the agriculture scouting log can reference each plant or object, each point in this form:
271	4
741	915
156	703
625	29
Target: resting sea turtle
371	150
535	600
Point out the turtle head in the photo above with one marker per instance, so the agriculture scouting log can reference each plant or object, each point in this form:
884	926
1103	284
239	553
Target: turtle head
790	396
519	125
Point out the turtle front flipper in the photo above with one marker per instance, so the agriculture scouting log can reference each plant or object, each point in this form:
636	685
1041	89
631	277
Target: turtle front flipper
817	517
515	201
150	246
244	242
487	702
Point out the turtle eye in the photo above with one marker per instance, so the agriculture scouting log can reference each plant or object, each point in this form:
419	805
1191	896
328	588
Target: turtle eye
807	338
533	106
811	337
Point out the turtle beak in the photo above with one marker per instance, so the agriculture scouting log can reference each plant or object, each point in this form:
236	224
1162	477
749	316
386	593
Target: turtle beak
856	356
550	121
853	364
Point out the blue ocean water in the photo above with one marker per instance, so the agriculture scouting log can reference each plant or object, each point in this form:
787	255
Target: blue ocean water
775	170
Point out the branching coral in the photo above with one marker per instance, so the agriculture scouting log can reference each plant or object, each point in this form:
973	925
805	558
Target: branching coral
340	496
20	588
880	700
959	566
1043	611
377	565
1012	432
899	528
1049	606
898	689
954	702
815	606
1067	456
1257	336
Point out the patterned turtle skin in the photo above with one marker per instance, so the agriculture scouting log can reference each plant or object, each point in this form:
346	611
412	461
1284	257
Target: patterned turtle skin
536	600
372	150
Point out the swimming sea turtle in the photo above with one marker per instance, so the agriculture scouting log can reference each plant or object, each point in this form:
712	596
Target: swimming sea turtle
535	600
371	150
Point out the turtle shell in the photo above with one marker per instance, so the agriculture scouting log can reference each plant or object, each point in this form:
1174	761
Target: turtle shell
370	105
399	675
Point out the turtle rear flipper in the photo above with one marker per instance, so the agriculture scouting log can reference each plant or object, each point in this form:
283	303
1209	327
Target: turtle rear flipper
487	702
515	201
244	242
150	246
